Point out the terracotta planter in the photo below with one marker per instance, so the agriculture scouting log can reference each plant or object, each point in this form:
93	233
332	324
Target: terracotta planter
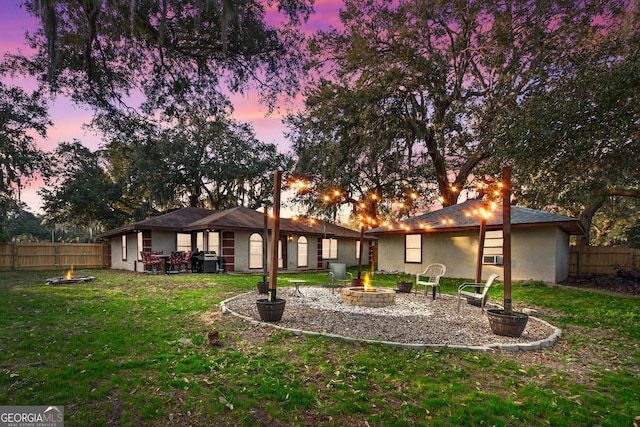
404	287
270	311
507	325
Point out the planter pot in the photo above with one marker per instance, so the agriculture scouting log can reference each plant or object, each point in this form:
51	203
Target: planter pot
263	287
404	286
477	301
507	325
270	311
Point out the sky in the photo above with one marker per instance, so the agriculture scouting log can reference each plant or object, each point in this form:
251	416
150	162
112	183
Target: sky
69	119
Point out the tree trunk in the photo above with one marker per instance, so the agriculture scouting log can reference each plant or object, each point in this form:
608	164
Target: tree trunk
585	219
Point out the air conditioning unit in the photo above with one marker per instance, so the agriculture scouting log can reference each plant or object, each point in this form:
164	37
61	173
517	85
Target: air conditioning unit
492	259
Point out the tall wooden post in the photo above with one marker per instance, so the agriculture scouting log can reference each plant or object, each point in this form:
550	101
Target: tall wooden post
265	236
275	236
360	254
506	237
483	232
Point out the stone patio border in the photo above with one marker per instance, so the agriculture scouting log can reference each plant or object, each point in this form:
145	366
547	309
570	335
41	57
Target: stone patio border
536	345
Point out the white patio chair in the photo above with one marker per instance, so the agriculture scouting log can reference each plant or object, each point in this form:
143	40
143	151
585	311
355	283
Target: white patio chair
430	277
474	293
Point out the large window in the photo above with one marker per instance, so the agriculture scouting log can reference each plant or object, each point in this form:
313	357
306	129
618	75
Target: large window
184	242
413	248
255	251
213	241
303	252
329	249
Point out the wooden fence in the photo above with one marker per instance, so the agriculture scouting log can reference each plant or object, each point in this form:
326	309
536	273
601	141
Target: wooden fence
53	256
601	259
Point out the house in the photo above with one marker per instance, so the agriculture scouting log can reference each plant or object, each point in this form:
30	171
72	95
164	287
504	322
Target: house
236	235
539	242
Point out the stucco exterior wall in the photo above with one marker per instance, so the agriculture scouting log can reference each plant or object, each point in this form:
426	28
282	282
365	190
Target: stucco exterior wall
166	241
539	253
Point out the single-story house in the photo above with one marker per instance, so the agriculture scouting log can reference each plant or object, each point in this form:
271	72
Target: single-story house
539	242
236	235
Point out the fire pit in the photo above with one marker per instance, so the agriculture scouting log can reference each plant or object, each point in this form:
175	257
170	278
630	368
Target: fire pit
368	296
68	278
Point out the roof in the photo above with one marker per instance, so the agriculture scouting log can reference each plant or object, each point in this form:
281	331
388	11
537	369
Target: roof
175	220
464	216
242	218
238	218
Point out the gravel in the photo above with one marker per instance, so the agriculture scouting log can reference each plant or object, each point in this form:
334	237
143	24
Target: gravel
414	319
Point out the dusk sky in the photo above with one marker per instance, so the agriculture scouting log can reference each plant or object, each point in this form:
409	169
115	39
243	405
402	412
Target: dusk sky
68	118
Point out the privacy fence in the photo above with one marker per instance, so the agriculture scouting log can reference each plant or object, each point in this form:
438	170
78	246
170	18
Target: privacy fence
601	259
53	256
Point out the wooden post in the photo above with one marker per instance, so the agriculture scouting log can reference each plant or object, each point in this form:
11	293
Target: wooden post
360	254
275	236
506	238
265	246
483	232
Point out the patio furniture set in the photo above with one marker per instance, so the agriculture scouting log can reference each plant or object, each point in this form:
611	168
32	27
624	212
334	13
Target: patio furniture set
180	261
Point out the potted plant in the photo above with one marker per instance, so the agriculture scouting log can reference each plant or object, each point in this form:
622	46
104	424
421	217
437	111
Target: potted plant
404	286
505	321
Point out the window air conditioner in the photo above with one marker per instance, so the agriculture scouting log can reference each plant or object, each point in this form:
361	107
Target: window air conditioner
492	259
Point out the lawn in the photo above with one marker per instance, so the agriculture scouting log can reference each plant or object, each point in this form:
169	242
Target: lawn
132	349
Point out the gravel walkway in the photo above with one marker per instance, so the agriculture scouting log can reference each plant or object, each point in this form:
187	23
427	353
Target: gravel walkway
414	321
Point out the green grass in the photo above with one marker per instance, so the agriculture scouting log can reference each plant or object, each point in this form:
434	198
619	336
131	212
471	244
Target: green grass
131	349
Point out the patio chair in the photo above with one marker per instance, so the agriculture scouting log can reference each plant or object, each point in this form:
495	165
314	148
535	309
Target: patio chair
150	264
175	260
338	274
430	277
185	260
475	293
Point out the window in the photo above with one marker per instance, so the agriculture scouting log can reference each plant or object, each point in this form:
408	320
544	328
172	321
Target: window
280	260
303	252
358	250
329	249
255	251
213	241
184	242
413	248
124	247
200	241
140	245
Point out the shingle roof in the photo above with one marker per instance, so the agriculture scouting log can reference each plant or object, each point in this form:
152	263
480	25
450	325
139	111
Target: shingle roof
465	216
175	220
241	218
238	218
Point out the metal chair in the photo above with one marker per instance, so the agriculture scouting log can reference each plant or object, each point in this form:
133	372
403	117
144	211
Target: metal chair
150	264
430	277
338	274
175	260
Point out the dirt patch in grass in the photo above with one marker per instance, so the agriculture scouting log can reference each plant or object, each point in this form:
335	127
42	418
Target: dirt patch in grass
623	282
